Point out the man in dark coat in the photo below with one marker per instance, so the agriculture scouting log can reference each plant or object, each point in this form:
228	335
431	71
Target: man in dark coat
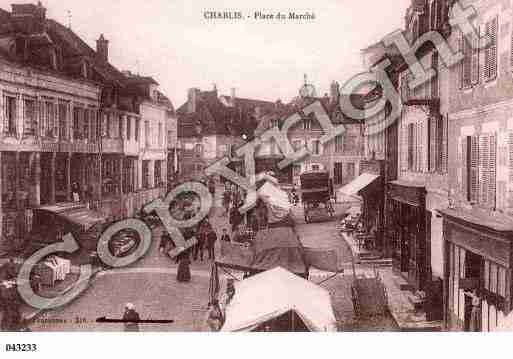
235	218
131	317
225	237
212	186
201	236
211	242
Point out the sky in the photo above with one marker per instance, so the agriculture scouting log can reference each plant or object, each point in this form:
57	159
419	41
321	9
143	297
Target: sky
172	41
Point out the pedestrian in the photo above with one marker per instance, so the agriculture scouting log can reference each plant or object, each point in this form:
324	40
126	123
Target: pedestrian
254	223
212	186
225	237
235	218
215	316
475	314
201	236
211	243
226	201
166	244
131	318
75	192
184	270
88	196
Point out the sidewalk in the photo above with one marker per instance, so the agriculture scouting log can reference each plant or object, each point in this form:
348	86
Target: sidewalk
400	303
363	256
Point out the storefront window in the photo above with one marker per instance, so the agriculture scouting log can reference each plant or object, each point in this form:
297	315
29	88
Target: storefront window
158	173
8	180
146	174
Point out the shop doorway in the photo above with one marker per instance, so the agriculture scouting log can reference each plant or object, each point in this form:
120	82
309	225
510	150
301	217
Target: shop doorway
46	178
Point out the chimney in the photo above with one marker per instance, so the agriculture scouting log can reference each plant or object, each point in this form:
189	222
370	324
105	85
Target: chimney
232	97
334	92
28	18
192	100
102	48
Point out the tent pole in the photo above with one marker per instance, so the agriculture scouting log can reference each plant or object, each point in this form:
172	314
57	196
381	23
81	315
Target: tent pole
293	320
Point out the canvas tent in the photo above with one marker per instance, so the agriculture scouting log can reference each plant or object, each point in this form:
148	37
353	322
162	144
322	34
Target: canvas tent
275	247
273	293
276	200
506	325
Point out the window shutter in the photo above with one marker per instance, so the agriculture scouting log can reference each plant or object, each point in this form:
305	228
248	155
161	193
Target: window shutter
432	143
434	81
423	144
475	59
467	62
56	119
461	48
492	172
474	169
464	167
491	50
442	144
409	147
484	159
510	172
511	50
404	150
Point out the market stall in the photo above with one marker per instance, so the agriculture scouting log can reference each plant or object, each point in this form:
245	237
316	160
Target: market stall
271	248
278	300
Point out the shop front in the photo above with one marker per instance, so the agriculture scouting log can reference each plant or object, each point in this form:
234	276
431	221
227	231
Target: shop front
373	209
478	263
405	225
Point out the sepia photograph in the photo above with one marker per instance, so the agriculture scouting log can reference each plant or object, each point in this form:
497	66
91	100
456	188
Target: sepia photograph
266	166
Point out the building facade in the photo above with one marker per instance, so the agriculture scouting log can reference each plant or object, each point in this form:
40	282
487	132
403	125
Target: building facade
212	126
479	222
421	189
71	122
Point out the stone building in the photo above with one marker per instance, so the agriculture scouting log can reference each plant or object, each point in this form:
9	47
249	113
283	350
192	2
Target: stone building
212	126
339	157
68	116
478	223
414	226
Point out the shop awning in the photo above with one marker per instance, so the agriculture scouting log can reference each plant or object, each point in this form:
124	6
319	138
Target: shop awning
78	216
359	183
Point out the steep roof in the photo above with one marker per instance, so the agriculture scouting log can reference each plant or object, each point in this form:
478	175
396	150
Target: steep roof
214	117
77	47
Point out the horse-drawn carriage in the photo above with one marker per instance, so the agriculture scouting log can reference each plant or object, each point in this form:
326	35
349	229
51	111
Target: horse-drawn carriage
316	193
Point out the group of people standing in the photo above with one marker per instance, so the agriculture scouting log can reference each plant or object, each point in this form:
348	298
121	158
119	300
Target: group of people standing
206	238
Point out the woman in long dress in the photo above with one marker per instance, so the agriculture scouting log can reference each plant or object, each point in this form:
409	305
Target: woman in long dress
184	269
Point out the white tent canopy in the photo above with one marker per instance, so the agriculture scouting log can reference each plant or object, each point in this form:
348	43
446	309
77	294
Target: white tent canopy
506	324
277	201
273	293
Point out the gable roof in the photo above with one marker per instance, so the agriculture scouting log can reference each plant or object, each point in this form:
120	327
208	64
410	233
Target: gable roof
78	47
215	118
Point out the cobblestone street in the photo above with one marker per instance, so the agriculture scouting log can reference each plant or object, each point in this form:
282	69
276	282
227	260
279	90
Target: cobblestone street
151	286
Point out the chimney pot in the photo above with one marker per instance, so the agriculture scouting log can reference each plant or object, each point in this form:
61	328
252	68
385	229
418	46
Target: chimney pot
102	48
233	96
192	100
